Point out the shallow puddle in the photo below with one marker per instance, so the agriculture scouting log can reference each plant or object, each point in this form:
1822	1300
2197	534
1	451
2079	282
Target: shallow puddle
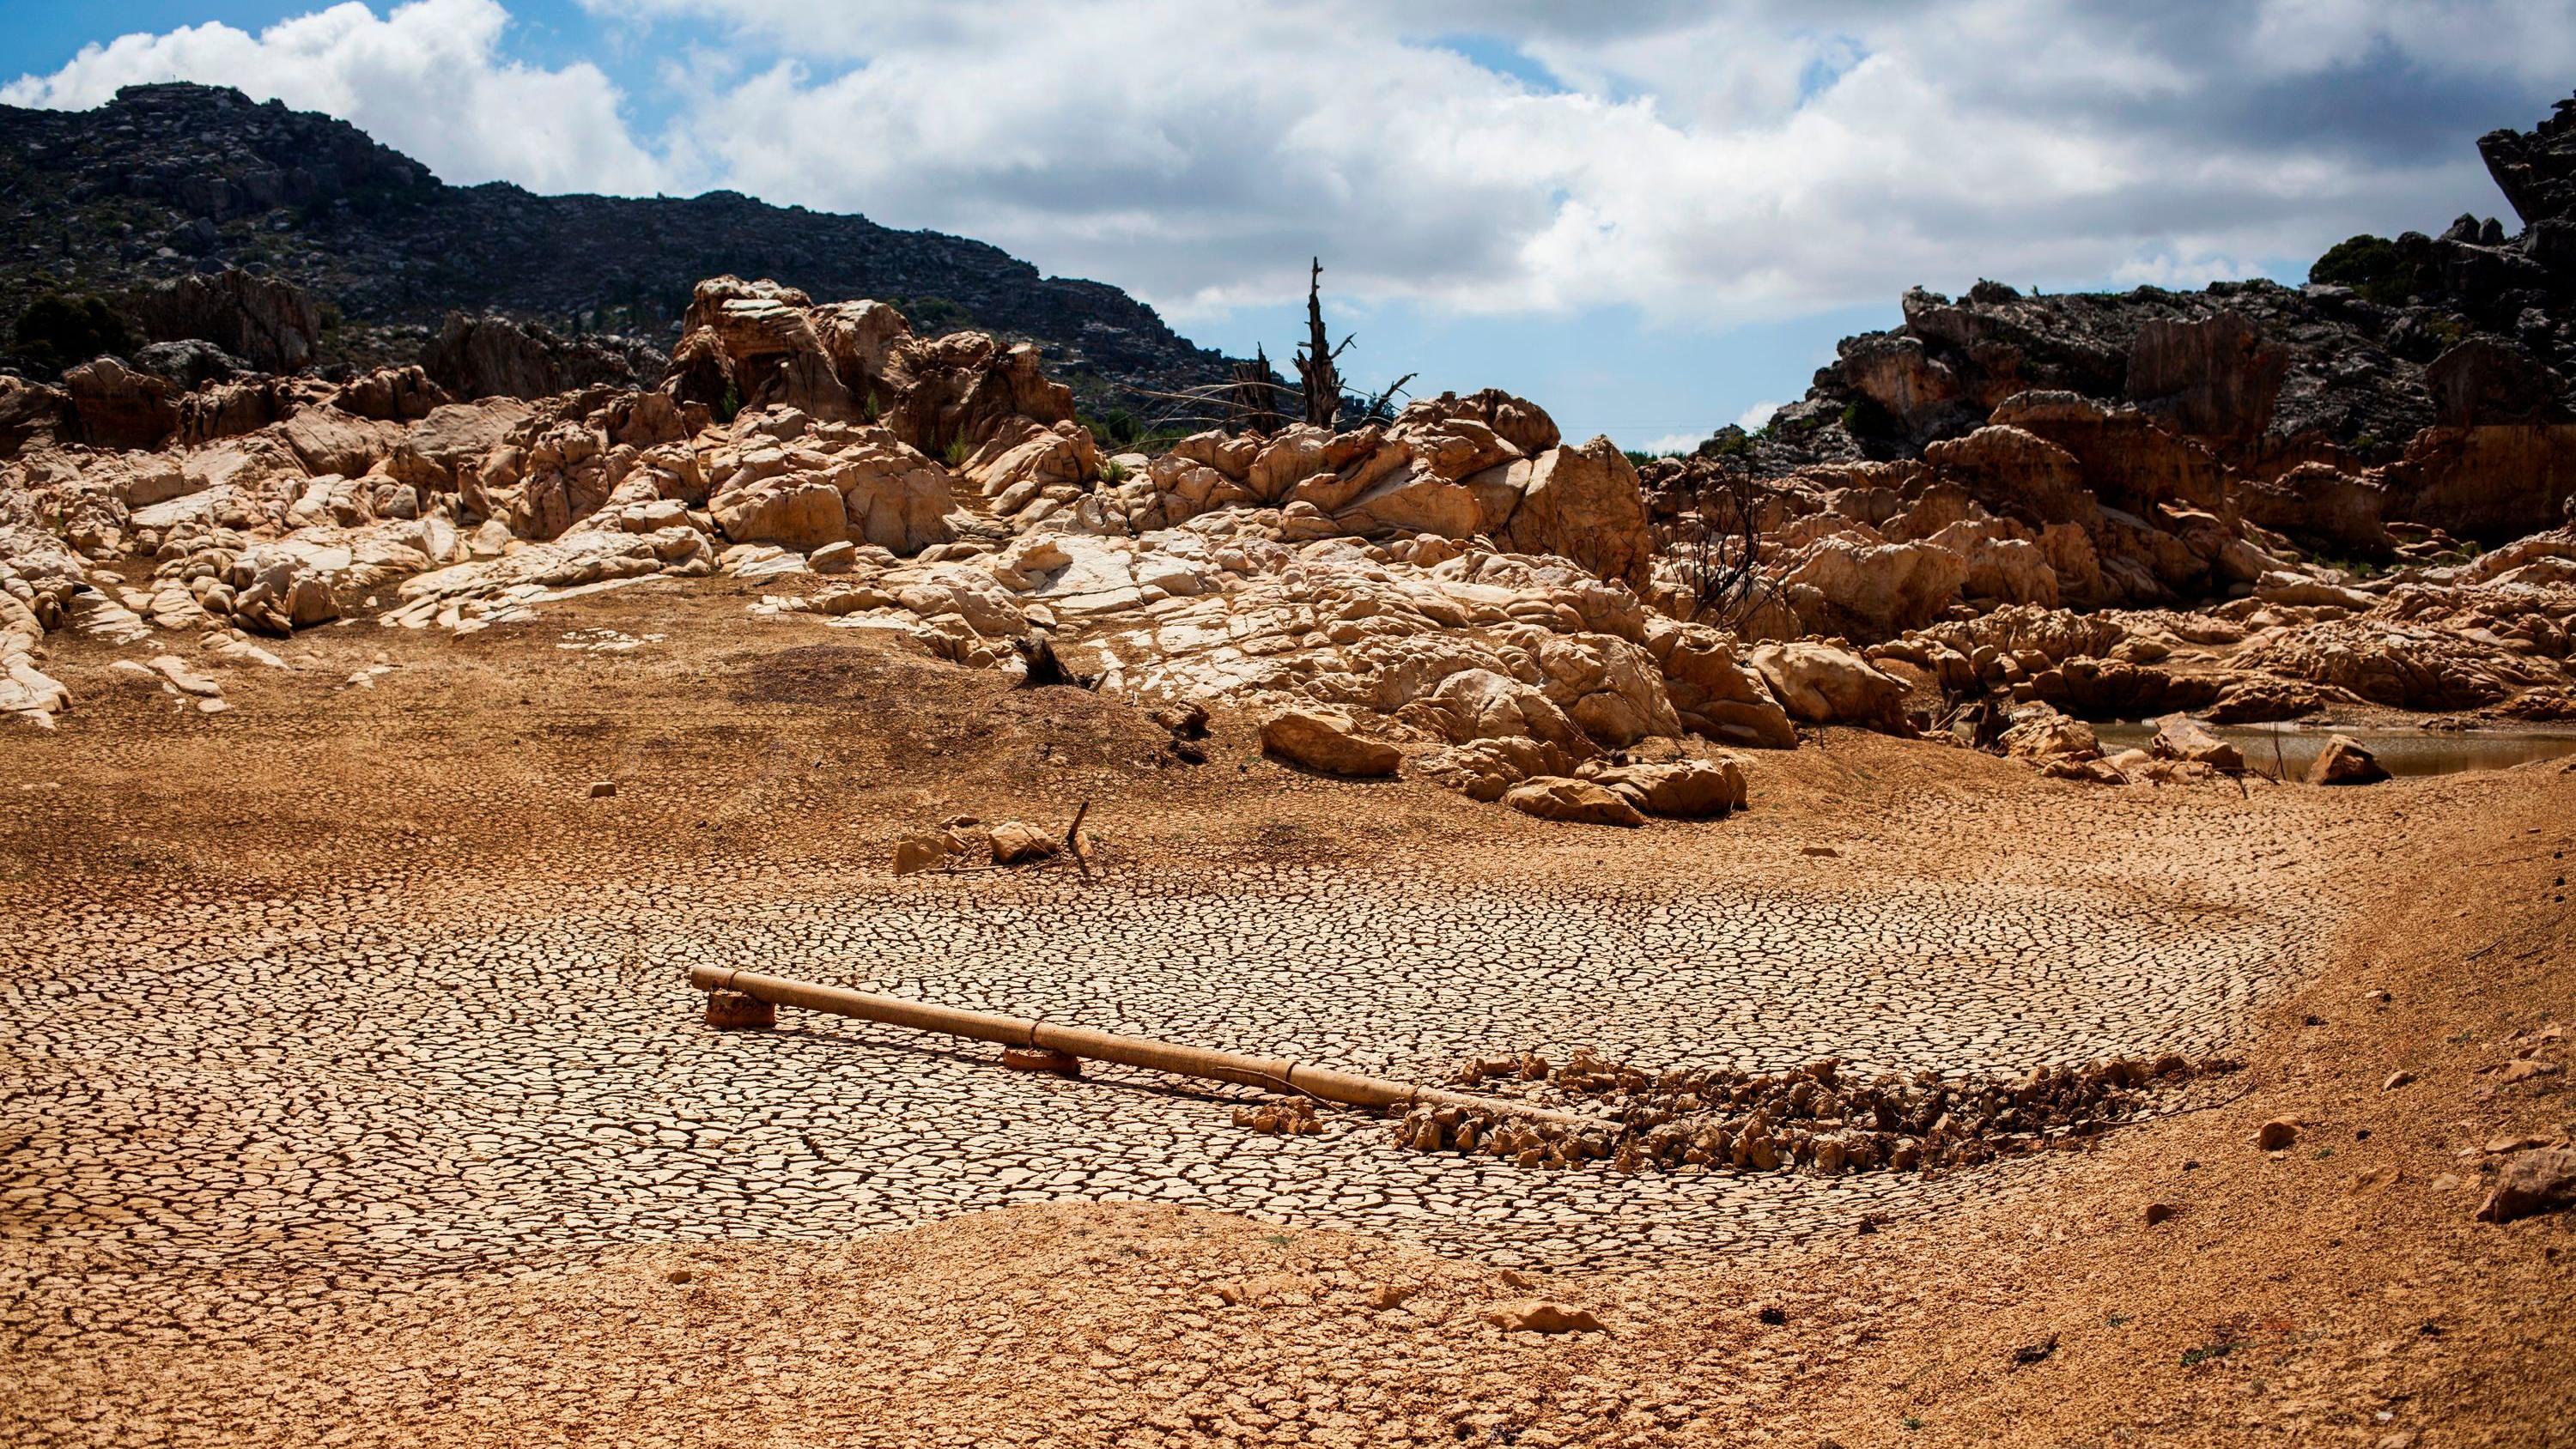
2400	751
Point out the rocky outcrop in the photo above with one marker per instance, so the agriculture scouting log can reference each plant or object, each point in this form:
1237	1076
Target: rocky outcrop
494	356
786	479
752	345
272	324
114	406
2536	169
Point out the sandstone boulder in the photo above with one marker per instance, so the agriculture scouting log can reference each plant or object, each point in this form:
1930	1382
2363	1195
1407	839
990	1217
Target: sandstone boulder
278	590
1327	740
2180	737
1869	592
1680	789
1584	504
1822	684
1580	802
1016	842
2344	762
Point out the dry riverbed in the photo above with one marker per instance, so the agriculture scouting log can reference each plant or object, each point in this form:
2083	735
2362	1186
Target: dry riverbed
353	1092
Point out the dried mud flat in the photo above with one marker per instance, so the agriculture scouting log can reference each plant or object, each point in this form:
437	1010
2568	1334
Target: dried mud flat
352	1093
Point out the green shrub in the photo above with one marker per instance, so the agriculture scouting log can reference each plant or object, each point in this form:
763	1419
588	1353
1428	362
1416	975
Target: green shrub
65	329
2375	268
955	453
1112	471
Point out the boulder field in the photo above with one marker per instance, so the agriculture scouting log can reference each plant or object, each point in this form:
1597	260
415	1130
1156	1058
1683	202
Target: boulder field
1452	591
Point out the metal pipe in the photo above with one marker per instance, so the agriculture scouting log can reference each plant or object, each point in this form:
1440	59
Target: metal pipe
1276	1073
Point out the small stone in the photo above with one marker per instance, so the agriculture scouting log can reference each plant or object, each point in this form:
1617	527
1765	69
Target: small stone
739	1011
602	789
833	558
2396	1080
1772	1314
919	852
2528	1069
1017	842
2539	1181
1537	1315
1042	1059
2158	1212
2276	1134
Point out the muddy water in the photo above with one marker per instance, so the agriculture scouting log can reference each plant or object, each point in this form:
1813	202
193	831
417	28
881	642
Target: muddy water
2400	751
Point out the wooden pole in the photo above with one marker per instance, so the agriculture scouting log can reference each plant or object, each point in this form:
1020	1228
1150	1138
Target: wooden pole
1277	1074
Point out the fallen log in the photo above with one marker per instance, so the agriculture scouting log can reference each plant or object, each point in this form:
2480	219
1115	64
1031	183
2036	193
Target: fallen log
1277	1074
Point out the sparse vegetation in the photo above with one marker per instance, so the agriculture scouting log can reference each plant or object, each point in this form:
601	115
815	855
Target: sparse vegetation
2374	267
64	329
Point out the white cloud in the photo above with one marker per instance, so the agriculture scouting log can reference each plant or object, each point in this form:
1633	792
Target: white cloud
1757	417
1708	163
427	78
1672	443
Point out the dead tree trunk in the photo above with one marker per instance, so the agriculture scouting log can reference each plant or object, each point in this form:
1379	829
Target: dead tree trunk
1252	403
1323	381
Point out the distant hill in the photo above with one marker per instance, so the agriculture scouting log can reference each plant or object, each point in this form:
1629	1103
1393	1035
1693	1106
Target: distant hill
171	179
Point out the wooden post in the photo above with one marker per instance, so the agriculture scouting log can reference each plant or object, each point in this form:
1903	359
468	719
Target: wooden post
1277	1074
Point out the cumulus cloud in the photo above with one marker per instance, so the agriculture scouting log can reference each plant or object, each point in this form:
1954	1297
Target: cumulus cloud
1757	417
1697	164
1701	163
427	78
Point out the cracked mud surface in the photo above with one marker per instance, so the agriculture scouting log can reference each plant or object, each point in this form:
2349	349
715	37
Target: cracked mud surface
351	999
459	1054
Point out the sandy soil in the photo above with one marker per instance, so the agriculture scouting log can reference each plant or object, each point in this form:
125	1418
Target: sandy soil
417	864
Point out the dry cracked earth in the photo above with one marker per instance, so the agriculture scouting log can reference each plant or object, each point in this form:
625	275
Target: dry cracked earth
353	1092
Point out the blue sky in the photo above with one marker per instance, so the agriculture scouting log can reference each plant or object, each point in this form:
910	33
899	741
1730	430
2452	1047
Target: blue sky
1650	217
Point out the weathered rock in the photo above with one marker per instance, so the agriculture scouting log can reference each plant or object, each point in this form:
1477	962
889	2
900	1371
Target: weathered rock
1325	739
1536	1315
1584	504
2344	762
2276	1134
1821	684
272	323
494	356
1580	802
2180	737
2539	1181
1516	421
114	406
2214	377
279	590
1869	592
1019	843
1679	790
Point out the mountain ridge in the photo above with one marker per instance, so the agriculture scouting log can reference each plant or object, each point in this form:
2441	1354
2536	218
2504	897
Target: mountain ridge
171	179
